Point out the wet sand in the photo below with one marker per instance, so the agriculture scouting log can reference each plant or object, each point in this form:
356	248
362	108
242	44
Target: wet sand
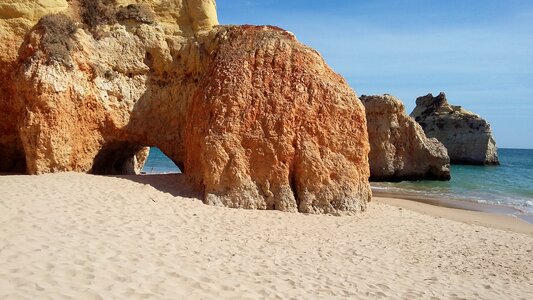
457	204
490	217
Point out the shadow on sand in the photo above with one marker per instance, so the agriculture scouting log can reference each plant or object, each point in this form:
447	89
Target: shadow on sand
175	184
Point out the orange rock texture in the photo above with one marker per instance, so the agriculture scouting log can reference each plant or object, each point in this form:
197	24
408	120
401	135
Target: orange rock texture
14	23
254	118
273	127
11	151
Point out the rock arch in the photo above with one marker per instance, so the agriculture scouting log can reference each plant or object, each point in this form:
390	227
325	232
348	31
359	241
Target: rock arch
256	119
117	158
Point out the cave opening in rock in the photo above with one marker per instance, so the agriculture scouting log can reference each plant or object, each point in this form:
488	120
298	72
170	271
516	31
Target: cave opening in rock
119	158
158	163
12	159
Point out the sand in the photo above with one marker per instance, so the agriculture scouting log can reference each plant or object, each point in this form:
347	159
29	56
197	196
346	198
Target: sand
475	215
147	237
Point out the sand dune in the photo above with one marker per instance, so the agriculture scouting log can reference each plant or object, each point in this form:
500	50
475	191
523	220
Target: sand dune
90	237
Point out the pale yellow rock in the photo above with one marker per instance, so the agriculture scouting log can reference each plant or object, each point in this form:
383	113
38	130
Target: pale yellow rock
17	17
467	136
30	9
191	16
203	14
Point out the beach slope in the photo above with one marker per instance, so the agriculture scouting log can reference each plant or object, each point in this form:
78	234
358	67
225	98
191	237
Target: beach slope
93	237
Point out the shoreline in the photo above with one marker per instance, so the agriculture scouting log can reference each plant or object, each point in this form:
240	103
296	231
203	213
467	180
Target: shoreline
470	217
485	214
474	213
458	205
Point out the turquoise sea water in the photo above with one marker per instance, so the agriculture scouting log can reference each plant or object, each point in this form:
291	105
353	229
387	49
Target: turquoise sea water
159	163
509	184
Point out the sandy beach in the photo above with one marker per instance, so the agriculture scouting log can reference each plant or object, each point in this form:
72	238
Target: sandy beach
77	236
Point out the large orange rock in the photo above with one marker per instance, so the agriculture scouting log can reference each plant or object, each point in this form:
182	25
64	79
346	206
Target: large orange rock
253	118
271	126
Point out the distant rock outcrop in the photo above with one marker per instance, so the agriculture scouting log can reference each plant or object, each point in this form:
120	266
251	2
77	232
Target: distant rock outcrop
253	118
466	135
399	149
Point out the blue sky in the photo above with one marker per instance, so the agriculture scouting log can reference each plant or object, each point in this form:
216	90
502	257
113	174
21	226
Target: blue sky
479	52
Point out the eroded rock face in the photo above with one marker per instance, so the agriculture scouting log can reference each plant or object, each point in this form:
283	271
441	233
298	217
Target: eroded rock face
16	19
275	128
466	135
252	117
399	148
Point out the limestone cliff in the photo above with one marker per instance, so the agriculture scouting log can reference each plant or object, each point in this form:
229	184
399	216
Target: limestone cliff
399	148
16	19
252	117
466	135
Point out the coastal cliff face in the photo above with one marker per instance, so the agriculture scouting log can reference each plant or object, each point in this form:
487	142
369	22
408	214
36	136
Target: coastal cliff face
252	117
16	19
466	135
399	148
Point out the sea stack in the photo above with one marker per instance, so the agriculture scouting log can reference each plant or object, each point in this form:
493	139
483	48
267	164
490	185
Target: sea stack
399	148
253	118
466	135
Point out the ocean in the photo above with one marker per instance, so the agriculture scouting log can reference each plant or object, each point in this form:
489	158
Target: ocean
159	163
510	184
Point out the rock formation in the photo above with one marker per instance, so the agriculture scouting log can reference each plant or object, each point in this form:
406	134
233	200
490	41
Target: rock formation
466	135
252	117
399	149
185	17
16	19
